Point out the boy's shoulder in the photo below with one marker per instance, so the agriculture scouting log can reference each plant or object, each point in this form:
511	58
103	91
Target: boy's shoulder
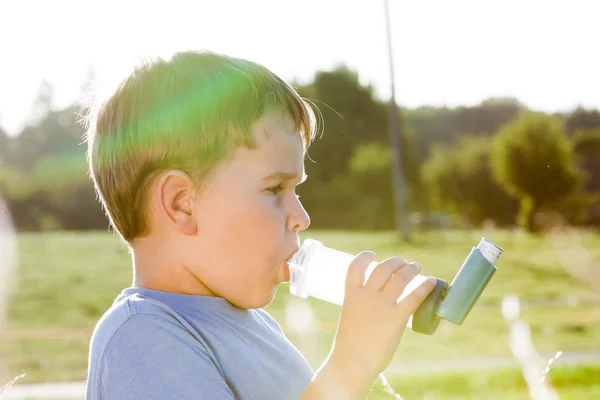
135	309
147	336
136	321
134	343
126	310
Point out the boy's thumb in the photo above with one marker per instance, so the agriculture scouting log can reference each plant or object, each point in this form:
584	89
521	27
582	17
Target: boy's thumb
356	275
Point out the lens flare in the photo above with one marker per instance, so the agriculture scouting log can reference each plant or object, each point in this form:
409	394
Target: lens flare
8	259
8	262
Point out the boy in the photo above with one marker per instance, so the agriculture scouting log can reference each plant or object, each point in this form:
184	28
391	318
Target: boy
196	160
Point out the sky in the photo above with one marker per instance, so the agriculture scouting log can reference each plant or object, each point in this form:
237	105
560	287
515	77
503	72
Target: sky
446	53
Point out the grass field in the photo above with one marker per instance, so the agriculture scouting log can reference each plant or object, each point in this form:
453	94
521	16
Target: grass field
570	383
67	280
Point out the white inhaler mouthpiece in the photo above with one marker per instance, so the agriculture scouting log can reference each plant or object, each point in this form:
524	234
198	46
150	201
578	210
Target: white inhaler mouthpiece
320	272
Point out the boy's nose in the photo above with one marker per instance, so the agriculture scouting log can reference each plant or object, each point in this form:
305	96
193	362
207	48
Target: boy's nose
298	219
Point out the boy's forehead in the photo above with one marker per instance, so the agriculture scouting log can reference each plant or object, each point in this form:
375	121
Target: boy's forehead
272	124
280	148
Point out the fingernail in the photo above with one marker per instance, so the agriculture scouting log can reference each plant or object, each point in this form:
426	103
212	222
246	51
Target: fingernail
419	267
432	279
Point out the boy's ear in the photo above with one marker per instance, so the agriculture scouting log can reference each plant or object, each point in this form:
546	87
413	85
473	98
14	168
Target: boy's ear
175	201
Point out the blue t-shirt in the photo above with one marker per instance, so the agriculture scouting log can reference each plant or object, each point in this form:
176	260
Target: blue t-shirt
159	345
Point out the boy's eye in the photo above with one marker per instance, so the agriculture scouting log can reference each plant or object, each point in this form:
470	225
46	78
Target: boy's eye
275	189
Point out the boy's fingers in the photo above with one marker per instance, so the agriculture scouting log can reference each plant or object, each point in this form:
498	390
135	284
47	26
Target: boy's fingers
417	296
398	282
355	277
384	271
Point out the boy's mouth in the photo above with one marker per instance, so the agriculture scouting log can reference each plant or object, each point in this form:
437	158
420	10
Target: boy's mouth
286	272
286	266
292	254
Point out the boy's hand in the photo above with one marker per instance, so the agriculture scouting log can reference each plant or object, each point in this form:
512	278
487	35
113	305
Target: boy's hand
372	320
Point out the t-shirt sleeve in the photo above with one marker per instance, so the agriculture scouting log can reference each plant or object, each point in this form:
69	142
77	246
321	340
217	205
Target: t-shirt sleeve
151	357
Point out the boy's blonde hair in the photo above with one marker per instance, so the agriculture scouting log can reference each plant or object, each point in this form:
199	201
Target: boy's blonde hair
188	113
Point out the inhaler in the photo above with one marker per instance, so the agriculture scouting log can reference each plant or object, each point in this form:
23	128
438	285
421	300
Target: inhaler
320	272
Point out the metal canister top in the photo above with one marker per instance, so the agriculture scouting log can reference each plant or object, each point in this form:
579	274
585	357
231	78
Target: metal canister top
489	250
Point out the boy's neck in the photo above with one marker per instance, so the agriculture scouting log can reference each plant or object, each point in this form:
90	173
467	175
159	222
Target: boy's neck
156	270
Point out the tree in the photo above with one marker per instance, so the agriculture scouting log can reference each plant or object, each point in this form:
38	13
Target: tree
486	118
70	200
587	143
461	180
442	176
533	160
22	199
587	151
432	125
483	197
58	133
370	169
351	117
582	119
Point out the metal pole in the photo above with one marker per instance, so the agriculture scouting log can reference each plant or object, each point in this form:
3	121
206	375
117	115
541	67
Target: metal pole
399	186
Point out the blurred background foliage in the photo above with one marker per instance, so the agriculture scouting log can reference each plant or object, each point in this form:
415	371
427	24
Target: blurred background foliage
497	162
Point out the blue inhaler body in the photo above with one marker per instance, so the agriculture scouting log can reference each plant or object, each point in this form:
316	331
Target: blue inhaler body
320	272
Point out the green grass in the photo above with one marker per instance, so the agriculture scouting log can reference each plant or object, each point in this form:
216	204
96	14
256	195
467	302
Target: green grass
571	383
67	280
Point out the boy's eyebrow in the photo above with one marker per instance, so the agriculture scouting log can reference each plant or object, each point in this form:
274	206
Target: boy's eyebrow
285	176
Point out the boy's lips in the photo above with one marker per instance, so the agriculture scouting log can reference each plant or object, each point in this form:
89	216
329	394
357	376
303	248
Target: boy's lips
286	267
286	272
292	254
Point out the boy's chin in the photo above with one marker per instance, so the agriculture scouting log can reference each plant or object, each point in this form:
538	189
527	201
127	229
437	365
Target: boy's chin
268	299
257	301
